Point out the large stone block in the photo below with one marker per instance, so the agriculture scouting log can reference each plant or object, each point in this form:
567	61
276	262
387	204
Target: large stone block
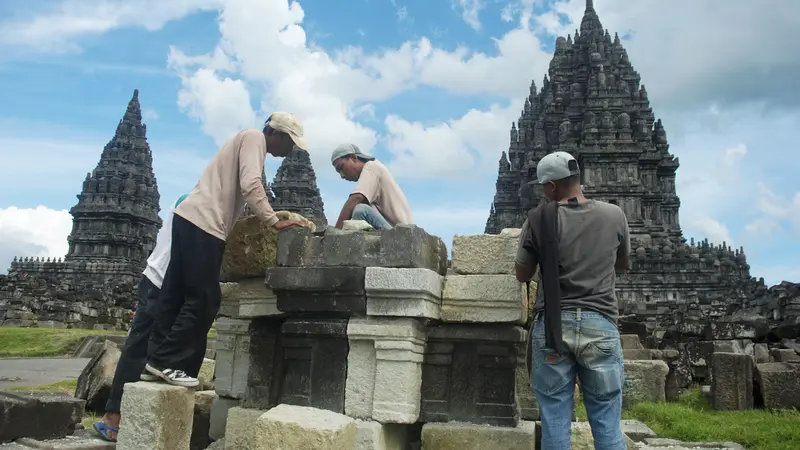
484	298
384	369
466	436
94	382
266	364
406	246
526	400
331	290
219	416
371	435
645	381
403	292
239	430
156	416
248	299
38	415
779	385
581	437
233	357
314	363
469	374
484	254
290	427
250	248
732	381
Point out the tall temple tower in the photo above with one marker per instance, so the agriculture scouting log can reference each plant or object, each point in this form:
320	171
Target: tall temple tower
116	218
593	106
295	189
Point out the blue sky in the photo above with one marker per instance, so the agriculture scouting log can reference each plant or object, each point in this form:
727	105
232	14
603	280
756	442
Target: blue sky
430	87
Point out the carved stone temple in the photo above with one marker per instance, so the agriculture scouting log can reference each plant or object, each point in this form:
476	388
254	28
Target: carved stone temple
295	189
592	105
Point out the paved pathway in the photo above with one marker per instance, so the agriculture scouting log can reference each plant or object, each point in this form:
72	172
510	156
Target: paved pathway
19	372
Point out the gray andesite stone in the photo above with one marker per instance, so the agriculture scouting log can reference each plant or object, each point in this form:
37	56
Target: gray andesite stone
155	416
303	427
645	381
464	436
403	292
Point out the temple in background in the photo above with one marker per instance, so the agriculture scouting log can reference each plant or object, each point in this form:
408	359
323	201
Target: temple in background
295	189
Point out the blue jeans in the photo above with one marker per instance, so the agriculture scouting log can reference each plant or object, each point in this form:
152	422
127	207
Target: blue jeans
595	356
364	212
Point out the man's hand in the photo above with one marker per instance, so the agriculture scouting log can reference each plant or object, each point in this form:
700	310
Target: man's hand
284	224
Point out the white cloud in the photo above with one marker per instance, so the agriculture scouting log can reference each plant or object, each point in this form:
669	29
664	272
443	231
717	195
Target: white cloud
470	11
779	208
149	115
33	232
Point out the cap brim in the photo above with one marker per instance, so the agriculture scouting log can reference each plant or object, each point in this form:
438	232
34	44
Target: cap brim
299	142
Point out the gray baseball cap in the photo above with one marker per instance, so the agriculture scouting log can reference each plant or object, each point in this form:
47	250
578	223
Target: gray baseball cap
556	166
349	149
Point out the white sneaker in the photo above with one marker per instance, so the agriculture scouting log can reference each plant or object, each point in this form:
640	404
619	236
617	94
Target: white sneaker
148	377
173	376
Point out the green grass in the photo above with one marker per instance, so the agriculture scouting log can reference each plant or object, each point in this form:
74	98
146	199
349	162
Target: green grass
43	342
692	419
66	386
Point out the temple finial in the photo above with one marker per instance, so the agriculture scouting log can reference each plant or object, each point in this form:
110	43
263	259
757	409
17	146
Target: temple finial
135	94
589	4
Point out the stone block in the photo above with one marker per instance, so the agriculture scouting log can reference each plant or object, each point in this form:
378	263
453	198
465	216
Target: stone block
248	299
250	248
467	436
784	355
484	298
155	416
233	357
484	254
637	354
206	375
404	246
674	444
239	430
371	435
330	290
201	419
630	341
314	363
469	374
526	400
266	364
637	431
219	416
384	369
778	385
403	292
581	437
645	381
732	382
94	382
290	427
38	415
81	440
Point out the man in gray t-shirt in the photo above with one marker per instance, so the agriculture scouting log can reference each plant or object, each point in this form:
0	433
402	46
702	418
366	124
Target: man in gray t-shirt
593	243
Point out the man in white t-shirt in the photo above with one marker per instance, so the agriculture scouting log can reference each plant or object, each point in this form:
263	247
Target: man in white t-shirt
130	367
377	198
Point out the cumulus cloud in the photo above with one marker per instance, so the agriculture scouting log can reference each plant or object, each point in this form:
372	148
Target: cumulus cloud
33	232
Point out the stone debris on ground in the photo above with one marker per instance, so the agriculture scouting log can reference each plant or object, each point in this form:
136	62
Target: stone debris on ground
94	382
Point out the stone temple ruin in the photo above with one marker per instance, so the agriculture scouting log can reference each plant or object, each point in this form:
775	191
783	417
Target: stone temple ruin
680	295
114	229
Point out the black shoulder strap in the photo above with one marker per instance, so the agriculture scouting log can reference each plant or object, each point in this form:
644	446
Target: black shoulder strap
546	220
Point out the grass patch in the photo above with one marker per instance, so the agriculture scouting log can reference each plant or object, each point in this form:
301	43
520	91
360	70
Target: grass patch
43	342
212	333
65	386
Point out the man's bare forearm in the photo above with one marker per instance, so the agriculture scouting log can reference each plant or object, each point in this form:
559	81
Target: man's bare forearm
524	273
347	209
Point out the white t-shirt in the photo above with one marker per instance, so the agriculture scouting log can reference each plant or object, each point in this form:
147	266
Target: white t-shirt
158	261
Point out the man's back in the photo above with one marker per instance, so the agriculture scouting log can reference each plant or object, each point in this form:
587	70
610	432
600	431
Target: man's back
379	187
590	235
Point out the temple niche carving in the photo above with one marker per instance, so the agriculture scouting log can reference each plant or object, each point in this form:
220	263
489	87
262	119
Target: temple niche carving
592	105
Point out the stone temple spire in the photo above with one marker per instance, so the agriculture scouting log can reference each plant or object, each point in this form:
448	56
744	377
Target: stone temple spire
116	218
295	189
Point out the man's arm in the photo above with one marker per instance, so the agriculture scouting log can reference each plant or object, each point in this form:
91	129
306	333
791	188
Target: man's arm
527	256
252	152
347	209
624	249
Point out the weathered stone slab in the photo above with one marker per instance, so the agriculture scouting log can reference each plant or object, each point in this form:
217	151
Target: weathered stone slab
484	298
484	254
300	427
330	290
155	416
38	415
674	444
384	369
314	363
219	416
467	436
636	430
784	355
406	246
732	382
637	354
250	248
630	341
81	440
403	292
233	357
779	385
239	433
469	374
371	435
645	381
206	375
201	419
248	299
581	437
266	364
94	382
526	400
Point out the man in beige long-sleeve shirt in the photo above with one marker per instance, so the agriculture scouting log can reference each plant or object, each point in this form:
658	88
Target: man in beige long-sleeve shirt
190	294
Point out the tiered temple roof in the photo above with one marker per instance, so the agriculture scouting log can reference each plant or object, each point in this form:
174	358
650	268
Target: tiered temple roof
295	189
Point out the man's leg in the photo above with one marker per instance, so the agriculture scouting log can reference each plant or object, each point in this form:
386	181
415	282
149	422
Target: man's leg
553	381
601	372
185	344
364	212
166	309
133	356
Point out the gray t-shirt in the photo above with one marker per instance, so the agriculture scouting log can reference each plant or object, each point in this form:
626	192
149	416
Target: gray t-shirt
591	235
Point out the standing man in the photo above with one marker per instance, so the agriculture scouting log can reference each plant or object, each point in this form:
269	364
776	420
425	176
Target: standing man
377	199
578	244
190	297
130	366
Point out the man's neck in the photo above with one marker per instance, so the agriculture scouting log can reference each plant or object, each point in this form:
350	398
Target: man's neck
578	196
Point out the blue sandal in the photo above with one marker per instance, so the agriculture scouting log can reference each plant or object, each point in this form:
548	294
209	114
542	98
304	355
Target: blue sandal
103	430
